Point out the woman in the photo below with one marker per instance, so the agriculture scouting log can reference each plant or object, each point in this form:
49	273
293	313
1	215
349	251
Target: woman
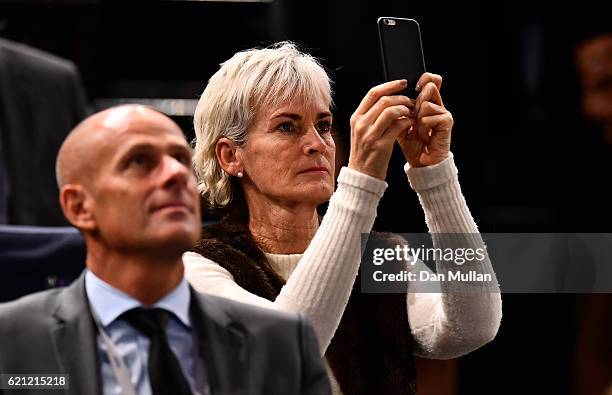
264	153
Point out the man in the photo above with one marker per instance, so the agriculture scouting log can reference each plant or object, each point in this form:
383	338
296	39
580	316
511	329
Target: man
131	323
34	79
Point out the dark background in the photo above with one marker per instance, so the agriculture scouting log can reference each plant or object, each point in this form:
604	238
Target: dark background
520	143
509	79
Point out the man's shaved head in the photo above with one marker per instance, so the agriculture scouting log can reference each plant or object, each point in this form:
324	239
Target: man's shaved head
126	182
79	155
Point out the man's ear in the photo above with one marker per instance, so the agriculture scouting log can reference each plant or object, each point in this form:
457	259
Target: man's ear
77	206
227	155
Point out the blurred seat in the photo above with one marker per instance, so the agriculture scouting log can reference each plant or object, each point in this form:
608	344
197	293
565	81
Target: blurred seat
36	258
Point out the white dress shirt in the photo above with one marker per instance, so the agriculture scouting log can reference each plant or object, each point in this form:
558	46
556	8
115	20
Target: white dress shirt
108	303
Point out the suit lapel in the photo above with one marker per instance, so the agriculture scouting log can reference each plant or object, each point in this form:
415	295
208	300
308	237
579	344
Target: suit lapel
75	339
222	342
223	345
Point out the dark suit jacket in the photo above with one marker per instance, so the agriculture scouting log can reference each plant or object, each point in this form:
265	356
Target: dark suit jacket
41	100
245	349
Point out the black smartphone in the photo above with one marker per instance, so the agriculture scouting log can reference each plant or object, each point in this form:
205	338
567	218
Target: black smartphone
402	51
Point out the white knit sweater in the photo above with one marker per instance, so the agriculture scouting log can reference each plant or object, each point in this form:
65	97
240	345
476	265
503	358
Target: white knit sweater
319	282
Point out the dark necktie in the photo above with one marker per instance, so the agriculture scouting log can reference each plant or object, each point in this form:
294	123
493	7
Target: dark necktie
165	373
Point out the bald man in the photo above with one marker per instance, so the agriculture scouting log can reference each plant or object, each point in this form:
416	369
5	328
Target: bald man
131	324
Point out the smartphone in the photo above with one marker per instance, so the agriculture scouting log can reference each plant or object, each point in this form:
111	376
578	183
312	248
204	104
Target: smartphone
402	51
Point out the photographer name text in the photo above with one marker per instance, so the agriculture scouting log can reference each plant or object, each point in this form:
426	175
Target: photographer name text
407	276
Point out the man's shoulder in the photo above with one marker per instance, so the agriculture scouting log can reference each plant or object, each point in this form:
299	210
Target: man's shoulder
268	330
28	310
239	310
35	59
255	320
37	301
276	341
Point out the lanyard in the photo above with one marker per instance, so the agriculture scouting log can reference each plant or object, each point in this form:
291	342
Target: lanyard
121	372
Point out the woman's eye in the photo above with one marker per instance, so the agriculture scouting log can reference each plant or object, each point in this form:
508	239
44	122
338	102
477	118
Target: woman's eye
324	127
286	127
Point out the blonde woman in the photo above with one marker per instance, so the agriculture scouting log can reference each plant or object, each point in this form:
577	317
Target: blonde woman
265	155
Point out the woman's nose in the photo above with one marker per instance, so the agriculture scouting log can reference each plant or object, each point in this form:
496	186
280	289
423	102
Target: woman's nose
314	142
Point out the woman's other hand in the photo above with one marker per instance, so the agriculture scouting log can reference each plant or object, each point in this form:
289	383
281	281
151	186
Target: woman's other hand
428	141
375	126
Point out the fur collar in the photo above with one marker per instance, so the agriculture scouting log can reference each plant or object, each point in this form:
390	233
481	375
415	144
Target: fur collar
371	352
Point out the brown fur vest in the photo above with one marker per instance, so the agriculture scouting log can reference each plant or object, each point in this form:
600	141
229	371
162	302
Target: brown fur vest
371	352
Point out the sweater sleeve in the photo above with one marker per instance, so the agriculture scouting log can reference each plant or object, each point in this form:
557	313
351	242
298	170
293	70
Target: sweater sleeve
322	281
451	323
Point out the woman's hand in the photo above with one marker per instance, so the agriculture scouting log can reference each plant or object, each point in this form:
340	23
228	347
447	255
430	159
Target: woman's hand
428	141
376	125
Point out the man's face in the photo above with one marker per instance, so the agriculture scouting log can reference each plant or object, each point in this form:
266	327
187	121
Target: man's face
144	190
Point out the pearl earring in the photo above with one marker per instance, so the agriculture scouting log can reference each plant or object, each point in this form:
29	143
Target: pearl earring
239	174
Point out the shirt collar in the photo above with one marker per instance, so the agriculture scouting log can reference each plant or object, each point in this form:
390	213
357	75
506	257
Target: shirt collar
108	303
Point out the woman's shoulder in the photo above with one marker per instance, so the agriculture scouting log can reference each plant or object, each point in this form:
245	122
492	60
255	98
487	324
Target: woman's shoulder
227	237
203	268
192	258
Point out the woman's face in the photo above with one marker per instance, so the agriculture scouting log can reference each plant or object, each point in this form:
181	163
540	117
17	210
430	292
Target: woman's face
289	154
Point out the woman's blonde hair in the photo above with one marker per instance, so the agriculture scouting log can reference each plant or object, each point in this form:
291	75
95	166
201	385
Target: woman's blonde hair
248	81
